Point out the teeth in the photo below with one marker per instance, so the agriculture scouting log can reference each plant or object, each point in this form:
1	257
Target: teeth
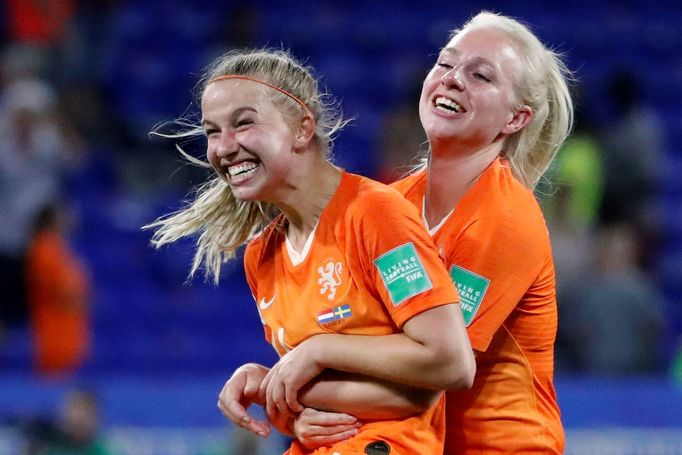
447	104
241	168
242	171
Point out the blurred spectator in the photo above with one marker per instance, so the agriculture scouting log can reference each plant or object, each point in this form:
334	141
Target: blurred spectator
41	22
34	154
619	313
633	150
401	136
20	62
41	27
575	184
75	431
577	172
58	296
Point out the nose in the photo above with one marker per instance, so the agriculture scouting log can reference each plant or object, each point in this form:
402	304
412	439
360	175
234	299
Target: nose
227	145
453	79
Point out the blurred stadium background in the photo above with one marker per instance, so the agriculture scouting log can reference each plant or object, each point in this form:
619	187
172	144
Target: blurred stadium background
162	347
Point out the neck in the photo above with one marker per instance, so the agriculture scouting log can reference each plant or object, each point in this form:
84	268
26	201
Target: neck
312	185
449	177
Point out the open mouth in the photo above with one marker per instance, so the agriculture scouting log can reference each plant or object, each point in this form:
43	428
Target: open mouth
447	105
241	171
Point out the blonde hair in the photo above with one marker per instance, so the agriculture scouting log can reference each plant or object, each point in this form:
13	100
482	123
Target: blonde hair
222	222
541	84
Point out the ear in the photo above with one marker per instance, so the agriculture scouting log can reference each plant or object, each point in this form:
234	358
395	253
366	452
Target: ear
305	132
519	119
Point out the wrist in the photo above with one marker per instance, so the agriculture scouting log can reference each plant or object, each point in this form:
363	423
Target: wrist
317	346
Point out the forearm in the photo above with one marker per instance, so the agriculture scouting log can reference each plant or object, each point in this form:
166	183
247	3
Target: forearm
364	397
433	352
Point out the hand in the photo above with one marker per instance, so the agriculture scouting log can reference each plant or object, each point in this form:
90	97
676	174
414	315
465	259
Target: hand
294	370
282	421
315	428
239	392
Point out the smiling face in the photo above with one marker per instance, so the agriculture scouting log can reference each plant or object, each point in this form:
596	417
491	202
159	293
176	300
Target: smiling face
250	144
468	96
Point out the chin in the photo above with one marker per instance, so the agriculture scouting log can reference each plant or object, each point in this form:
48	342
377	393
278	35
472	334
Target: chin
244	195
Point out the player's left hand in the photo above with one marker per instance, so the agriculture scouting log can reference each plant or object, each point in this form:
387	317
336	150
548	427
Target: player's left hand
294	370
315	428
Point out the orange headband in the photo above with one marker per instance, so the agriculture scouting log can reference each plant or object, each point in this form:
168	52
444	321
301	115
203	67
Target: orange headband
281	90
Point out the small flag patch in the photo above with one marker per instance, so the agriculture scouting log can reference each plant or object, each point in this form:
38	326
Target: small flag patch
334	314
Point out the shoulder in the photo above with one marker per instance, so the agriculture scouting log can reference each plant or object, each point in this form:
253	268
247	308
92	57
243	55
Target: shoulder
375	199
262	241
252	252
410	183
502	208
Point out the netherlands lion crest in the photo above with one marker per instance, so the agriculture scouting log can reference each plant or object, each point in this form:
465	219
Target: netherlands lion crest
330	278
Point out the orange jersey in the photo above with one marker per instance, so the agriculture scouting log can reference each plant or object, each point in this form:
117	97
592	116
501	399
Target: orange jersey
496	247
368	267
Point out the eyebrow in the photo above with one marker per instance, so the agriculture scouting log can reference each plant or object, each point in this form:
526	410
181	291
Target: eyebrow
236	113
478	60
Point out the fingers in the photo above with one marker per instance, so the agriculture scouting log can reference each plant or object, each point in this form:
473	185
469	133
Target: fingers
321	431
230	402
260	427
318	428
234	399
314	442
263	387
274	398
280	395
254	377
291	399
252	387
234	411
238	415
313	417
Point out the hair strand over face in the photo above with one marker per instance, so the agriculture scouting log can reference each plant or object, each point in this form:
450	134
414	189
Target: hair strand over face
220	222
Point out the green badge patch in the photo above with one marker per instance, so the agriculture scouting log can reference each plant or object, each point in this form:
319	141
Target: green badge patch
403	273
471	289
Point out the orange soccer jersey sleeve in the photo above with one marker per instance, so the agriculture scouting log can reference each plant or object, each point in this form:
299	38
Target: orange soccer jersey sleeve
506	251
399	255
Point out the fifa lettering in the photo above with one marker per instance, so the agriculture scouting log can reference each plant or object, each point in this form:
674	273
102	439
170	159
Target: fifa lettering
414	276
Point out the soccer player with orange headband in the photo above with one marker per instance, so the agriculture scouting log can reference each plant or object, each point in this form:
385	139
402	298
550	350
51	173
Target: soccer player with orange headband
349	286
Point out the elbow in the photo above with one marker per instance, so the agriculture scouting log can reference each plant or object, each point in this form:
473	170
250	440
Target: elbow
470	374
462	370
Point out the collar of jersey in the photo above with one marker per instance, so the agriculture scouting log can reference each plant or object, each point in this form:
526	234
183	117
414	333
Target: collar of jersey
296	257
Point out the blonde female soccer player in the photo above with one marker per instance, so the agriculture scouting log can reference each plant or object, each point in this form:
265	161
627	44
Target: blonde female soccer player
345	276
495	108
